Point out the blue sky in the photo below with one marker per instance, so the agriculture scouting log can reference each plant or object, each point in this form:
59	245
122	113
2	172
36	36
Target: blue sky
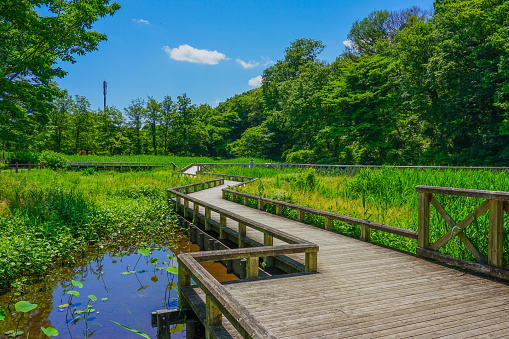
210	50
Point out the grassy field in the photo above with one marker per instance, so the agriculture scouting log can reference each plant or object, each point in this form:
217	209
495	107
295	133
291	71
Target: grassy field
49	218
384	195
157	159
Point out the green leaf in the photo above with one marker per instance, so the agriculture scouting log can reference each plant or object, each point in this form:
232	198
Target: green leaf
92	297
64	305
144	251
177	328
171	286
14	334
77	283
104	299
144	335
24	306
172	269
129	272
154	261
171	257
74	293
50	331
3	314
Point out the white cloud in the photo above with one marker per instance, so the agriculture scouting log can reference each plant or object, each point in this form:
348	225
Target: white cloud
141	21
349	44
255	82
191	54
246	65
267	61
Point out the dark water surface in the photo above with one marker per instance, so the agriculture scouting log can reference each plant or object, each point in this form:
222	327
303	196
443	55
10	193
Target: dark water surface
143	292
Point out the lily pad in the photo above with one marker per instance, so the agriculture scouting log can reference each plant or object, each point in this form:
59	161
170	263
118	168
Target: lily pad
24	306
172	269
74	293
50	331
92	297
144	251
77	283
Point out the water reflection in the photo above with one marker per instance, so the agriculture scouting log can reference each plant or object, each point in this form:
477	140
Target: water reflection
121	280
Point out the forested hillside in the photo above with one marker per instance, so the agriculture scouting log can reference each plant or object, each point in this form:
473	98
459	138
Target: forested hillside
411	87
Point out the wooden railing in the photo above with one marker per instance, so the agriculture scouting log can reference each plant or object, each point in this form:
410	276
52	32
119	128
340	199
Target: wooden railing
365	225
29	166
121	165
218	300
343	169
496	203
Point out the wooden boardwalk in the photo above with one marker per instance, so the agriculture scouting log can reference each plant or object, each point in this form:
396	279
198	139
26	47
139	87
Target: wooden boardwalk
361	289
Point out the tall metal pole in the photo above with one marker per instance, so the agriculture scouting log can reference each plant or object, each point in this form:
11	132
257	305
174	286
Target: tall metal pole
105	88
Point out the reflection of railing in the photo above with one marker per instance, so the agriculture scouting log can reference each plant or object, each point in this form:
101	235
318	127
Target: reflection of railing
496	203
218	300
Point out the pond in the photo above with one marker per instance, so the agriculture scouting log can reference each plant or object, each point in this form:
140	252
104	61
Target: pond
122	285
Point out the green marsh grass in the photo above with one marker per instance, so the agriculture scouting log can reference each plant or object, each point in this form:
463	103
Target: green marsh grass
386	195
50	218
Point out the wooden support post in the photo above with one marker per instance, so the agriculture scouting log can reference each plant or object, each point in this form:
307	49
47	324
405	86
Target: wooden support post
268	241
187	190
329	223
423	227
184	280
365	233
311	261
260	204
222	223
208	225
246	201
177	202
233	197
16	167
252	268
186	206
201	240
242	234
279	209
496	240
223	194
214	316
196	210
300	215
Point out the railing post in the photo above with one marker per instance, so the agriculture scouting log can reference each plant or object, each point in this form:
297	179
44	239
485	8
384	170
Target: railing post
423	227
222	223
213	314
279	209
233	197
184	280
365	233
16	167
252	268
223	194
246	201
196	210
496	240
311	261
208	226
186	206
268	240
328	224
260	204
242	234
300	215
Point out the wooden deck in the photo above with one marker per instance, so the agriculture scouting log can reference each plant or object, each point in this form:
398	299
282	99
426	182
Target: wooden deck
360	290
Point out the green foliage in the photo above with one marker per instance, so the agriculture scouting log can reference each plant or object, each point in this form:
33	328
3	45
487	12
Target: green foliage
50	331
24	306
54	160
24	157
300	157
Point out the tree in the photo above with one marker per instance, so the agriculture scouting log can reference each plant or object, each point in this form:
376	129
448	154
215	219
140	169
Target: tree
59	118
136	114
80	118
153	117
32	44
167	116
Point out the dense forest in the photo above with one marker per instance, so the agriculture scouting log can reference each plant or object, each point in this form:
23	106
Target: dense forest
411	87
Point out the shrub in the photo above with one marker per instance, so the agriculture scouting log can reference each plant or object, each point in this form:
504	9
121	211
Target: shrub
24	157
54	160
301	157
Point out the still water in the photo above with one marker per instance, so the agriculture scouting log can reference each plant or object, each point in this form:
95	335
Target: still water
128	287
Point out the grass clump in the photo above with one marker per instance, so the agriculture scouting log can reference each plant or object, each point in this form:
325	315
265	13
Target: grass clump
50	218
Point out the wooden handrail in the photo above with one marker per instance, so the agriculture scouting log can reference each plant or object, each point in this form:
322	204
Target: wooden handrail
463	192
333	216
